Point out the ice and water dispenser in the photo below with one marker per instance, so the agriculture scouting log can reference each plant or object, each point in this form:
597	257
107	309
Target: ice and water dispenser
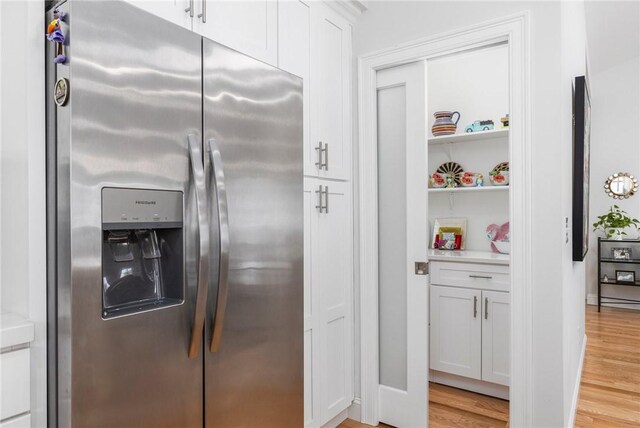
142	250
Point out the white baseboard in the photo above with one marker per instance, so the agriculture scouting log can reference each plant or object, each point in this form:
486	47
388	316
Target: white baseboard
354	411
337	420
592	299
576	387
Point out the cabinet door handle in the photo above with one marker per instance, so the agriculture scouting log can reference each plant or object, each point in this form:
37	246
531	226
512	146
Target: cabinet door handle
475	306
190	8
203	14
326	199
319	192
480	276
486	307
322	156
326	157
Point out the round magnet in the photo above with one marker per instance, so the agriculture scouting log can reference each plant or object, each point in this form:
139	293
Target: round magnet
61	92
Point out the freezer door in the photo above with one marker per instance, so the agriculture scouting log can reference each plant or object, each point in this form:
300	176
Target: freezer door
135	97
254	331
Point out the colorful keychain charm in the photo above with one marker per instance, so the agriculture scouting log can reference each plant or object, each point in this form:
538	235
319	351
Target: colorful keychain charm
55	35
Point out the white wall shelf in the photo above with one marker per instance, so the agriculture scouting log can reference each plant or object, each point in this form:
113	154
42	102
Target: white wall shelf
470	137
469	189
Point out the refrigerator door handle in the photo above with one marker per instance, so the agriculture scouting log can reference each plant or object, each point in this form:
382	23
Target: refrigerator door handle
197	169
223	262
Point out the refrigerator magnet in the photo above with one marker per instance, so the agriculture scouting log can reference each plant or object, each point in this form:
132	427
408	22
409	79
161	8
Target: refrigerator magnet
61	92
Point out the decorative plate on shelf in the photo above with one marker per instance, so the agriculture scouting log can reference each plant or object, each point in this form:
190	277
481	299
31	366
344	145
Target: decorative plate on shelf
502	166
452	168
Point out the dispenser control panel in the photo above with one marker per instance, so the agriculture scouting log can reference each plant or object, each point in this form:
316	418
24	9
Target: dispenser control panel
138	208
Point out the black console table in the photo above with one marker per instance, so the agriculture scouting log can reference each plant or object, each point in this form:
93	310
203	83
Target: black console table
614	268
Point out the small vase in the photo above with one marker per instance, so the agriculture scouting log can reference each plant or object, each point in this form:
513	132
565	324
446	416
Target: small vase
444	124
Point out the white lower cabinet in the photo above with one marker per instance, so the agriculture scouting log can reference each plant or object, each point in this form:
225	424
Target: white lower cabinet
470	333
328	300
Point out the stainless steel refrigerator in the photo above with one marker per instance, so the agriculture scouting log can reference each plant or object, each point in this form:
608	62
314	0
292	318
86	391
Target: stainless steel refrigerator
175	228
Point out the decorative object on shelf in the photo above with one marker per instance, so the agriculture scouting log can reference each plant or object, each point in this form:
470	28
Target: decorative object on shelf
621	253
502	166
480	125
472	179
625	276
56	35
454	170
449	233
605	278
499	178
614	223
581	138
505	121
444	124
499	238
621	185
437	180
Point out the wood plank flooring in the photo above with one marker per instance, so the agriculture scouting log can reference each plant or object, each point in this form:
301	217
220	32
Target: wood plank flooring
454	408
610	386
609	390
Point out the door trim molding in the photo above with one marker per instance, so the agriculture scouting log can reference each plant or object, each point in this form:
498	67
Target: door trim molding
515	30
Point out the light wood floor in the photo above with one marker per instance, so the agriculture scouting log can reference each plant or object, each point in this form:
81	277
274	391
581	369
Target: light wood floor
609	391
455	408
610	387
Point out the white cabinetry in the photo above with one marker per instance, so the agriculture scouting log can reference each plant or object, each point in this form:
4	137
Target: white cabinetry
470	323
172	10
456	329
250	27
330	92
328	300
495	337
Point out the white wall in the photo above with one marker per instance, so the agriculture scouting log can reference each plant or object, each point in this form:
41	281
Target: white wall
476	84
22	180
615	99
388	23
574	63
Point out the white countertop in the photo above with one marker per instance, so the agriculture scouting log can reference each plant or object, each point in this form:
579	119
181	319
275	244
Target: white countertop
14	330
487	257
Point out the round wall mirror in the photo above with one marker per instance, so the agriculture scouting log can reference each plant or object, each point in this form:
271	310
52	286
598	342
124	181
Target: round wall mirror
621	185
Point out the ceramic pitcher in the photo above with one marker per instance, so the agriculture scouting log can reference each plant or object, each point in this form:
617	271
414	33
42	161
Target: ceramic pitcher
444	124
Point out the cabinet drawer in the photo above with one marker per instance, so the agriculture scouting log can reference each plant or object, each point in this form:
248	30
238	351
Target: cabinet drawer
14	391
471	275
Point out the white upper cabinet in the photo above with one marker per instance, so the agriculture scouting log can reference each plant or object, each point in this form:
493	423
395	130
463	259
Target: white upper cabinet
329	152
172	10
250	27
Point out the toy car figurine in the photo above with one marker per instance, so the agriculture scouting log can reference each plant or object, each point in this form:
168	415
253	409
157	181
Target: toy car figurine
479	125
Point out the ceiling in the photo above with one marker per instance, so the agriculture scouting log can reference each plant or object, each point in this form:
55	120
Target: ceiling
613	32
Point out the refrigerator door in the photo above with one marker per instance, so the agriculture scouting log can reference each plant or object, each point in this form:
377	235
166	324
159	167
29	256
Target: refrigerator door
254	330
135	97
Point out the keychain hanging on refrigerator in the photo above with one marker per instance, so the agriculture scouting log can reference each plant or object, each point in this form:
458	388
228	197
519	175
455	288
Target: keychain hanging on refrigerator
56	35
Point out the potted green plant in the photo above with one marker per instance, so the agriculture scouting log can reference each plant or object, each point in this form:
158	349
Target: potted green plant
614	223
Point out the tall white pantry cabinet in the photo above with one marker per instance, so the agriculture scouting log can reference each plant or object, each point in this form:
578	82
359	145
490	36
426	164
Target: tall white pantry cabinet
310	39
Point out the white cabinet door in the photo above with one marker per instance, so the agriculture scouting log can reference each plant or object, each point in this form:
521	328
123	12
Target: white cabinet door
294	56
311	312
171	10
456	329
250	27
330	94
332	277
496	332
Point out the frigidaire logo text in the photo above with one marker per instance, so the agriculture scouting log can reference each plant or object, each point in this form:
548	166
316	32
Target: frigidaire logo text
145	202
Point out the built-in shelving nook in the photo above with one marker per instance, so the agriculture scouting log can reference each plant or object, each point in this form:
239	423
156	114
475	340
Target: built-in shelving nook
476	84
469	305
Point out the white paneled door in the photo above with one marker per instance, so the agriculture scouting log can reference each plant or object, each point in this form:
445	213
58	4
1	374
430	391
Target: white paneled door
402	242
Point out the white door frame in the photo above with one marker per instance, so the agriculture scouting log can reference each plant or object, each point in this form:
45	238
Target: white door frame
515	30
